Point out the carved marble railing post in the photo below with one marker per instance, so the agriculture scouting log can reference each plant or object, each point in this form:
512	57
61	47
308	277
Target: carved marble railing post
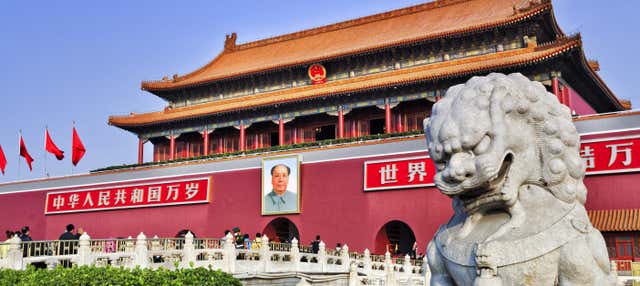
142	249
367	262
353	274
614	273
188	251
265	255
14	255
387	260
295	254
229	255
390	276
141	252
84	250
344	256
408	268
322	256
426	272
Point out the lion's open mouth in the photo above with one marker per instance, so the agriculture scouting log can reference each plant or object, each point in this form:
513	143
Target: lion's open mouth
488	193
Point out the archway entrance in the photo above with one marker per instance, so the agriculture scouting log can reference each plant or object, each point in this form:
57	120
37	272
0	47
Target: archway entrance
281	230
395	237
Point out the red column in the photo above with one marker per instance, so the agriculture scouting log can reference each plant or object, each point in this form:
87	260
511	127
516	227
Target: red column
205	143
172	147
399	123
354	131
242	139
340	123
140	150
555	86
281	132
294	137
387	117
220	145
256	141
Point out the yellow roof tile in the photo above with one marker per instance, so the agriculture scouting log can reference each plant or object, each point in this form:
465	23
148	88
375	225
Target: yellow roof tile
421	22
444	69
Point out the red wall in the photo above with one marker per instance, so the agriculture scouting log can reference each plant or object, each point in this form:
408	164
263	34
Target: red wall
578	104
333	205
613	191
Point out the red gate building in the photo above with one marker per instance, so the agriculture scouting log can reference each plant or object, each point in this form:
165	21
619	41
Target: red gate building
341	106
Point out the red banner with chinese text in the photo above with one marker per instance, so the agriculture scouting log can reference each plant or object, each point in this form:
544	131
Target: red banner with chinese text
130	195
600	156
398	173
611	155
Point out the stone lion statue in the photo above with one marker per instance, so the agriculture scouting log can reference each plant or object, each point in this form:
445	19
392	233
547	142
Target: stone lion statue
507	153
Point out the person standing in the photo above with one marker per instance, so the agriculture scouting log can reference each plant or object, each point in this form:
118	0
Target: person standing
68	234
25	234
67	247
315	245
238	237
257	242
30	249
79	233
246	241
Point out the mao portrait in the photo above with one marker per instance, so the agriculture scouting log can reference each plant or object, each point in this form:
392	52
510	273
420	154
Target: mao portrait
280	185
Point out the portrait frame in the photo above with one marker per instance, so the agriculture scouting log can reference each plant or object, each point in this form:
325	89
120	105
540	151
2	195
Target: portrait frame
293	186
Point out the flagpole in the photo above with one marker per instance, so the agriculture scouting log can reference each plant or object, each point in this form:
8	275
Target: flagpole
72	127
46	130
19	138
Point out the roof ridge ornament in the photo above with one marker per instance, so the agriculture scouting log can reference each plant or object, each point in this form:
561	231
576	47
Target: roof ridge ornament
230	41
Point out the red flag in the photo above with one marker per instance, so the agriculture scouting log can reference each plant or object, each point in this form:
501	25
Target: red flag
77	148
51	147
24	153
3	160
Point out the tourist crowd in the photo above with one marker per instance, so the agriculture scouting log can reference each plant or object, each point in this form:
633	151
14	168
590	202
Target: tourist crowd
241	240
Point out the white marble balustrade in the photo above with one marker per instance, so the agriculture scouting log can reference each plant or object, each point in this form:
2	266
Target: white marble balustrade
219	254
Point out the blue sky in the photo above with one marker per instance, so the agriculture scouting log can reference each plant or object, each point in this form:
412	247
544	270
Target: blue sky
62	61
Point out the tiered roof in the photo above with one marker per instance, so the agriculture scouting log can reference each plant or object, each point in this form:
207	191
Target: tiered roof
438	19
439	70
431	20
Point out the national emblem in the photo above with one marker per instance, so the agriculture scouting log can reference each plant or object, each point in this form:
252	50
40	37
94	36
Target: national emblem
317	74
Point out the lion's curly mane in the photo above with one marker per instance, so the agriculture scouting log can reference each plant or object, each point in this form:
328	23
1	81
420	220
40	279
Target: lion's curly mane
557	140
